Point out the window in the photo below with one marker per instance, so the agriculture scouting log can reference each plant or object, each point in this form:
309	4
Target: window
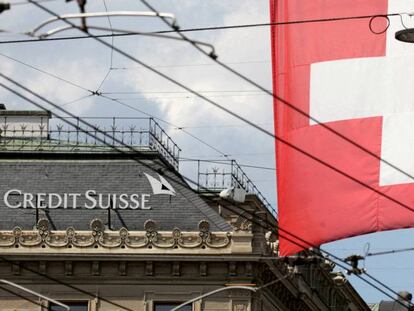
167	306
74	306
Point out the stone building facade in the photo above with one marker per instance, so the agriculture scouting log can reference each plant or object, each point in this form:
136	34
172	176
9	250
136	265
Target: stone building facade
99	229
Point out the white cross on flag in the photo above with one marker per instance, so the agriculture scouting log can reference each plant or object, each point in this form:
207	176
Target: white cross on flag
360	84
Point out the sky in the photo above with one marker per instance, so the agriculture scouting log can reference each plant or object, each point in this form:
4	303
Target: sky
140	93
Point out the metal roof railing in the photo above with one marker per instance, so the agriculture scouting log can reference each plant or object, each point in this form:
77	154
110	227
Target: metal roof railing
139	133
226	174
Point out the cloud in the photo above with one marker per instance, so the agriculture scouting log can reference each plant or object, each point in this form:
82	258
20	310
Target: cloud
232	46
86	62
251	44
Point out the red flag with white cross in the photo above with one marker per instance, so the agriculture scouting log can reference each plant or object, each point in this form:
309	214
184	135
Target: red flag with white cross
355	81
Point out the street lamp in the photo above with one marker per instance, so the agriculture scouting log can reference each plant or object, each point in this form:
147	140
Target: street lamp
253	289
4	6
100	15
85	16
405	35
250	288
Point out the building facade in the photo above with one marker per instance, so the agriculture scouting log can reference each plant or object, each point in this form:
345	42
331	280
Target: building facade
102	220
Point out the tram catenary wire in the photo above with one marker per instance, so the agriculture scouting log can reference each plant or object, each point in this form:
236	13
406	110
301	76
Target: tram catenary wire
305	245
95	93
75	26
230	112
210	28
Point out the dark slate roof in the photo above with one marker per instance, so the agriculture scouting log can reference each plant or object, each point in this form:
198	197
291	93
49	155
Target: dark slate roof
23	113
184	211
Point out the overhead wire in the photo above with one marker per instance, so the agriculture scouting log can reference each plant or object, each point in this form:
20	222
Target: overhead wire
278	98
73	101
46	73
146	3
292	238
226	162
247	121
118	101
26	2
342	264
96	93
112	38
205	143
59	281
211	28
14	293
196	64
180	92
128	56
166	77
220	125
389	252
112	50
77	85
245	154
182	129
214	58
185	97
80	129
371	277
280	229
66	112
260	87
113	93
307	244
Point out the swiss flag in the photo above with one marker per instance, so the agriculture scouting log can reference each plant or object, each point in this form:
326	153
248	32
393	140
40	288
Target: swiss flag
360	84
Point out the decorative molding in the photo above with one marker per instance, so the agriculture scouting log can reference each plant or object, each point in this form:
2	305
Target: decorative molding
232	268
149	268
96	268
176	268
203	269
68	268
42	267
248	269
98	237
243	221
122	268
15	268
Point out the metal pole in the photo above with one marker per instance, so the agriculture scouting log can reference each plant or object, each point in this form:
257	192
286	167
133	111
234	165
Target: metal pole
77	131
253	289
198	175
35	293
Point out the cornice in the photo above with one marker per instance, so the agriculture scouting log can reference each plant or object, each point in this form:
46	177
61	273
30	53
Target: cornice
98	240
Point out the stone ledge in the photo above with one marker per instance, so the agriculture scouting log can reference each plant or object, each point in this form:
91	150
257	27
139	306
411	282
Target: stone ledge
98	240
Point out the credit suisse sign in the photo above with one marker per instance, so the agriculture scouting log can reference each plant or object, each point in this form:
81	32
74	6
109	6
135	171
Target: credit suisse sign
90	199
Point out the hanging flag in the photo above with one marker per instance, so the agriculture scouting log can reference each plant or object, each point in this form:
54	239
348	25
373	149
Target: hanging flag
355	78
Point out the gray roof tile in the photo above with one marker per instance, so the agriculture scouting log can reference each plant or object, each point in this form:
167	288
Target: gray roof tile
183	211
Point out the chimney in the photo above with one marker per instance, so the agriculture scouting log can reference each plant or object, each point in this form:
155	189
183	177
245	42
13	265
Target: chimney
24	124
